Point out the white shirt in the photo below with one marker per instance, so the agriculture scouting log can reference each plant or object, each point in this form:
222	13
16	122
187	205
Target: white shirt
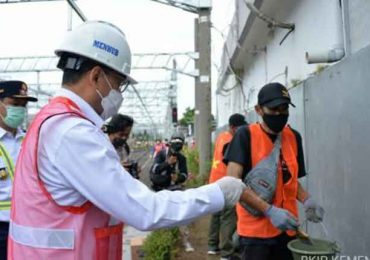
12	145
77	163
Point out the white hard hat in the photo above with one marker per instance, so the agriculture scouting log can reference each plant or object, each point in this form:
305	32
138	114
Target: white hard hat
101	42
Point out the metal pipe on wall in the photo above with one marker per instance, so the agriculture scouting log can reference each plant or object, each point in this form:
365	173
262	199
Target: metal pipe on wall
337	51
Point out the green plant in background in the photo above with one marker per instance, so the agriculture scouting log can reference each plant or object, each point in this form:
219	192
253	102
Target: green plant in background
192	159
160	244
163	244
187	117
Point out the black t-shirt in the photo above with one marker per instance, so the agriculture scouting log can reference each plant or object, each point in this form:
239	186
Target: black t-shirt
239	150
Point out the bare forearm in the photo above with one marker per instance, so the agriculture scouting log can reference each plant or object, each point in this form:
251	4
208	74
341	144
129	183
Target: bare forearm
235	170
302	194
250	197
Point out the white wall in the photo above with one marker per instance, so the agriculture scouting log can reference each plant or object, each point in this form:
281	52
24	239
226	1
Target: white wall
316	29
359	11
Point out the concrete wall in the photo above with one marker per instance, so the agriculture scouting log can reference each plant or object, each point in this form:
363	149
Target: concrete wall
315	23
316	29
332	108
337	127
359	24
333	117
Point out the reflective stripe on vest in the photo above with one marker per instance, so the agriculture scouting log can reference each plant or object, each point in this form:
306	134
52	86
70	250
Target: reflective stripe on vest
42	237
285	194
5	205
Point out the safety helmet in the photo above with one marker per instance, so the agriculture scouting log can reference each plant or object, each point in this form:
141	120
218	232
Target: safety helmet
179	136
102	42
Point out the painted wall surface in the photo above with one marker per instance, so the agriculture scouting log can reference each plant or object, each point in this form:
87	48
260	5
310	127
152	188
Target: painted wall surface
332	115
338	148
315	24
332	109
359	24
316	29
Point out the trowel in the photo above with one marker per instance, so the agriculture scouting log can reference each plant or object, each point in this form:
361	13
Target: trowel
304	237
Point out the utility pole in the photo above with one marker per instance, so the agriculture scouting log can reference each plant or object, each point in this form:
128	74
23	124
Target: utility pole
203	119
202	42
173	100
196	83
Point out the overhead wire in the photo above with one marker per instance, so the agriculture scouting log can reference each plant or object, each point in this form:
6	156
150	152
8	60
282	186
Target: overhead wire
239	80
143	104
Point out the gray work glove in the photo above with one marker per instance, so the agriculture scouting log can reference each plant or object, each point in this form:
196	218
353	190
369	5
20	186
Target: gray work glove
232	188
314	212
281	218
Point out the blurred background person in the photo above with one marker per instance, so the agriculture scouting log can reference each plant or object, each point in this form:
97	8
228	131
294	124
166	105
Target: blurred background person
169	172
222	225
119	129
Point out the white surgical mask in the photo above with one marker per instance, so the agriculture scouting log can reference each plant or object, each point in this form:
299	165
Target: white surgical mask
110	103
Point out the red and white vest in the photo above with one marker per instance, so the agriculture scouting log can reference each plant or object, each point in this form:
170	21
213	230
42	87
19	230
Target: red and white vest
42	229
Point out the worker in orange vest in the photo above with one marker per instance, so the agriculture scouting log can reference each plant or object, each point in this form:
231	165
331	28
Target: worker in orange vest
223	224
265	237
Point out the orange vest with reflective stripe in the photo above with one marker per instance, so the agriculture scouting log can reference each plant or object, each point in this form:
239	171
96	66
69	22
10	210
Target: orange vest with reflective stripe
285	195
218	167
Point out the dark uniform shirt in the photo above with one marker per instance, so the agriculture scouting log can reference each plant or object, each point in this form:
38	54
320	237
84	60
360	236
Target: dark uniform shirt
161	171
239	150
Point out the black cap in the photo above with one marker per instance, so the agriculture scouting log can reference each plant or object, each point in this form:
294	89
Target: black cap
118	123
273	95
15	89
237	120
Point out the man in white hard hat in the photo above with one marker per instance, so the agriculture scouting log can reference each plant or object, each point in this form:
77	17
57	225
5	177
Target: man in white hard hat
69	180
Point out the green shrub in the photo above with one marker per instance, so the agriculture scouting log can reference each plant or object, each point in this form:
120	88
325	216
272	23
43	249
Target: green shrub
160	244
192	159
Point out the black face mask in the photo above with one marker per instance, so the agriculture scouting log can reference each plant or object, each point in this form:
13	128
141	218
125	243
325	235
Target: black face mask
118	142
176	147
275	122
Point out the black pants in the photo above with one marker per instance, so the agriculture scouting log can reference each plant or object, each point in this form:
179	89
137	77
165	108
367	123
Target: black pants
266	249
4	230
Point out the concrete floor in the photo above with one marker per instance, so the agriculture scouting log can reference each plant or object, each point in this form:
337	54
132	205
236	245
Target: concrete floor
131	236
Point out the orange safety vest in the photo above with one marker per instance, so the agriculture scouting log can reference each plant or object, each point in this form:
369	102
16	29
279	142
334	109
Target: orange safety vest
285	195
218	167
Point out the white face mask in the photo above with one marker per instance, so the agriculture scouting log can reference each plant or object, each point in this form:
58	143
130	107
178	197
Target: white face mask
110	103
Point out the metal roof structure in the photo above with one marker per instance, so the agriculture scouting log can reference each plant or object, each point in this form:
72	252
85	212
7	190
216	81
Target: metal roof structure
149	102
140	61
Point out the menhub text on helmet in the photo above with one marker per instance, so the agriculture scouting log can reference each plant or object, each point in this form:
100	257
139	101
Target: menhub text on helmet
105	47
